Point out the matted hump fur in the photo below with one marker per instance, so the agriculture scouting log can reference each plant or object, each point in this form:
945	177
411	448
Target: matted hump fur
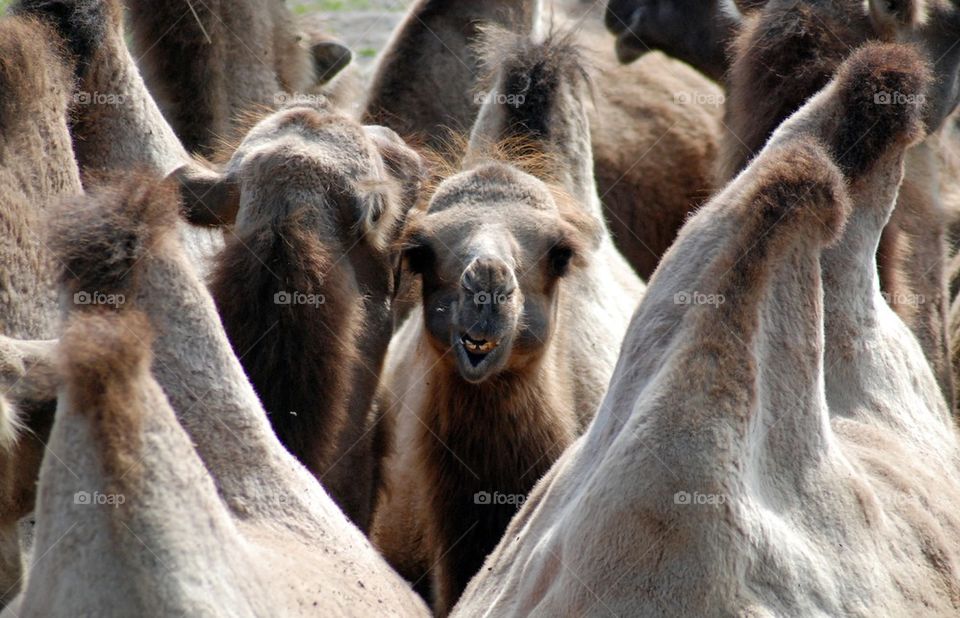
537	86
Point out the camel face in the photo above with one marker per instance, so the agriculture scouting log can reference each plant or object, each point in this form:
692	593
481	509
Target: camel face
491	249
694	31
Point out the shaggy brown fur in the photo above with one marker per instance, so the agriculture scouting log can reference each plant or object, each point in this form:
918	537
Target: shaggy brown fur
102	355
89	31
136	214
494	454
653	154
304	287
292	352
475	430
207	61
785	53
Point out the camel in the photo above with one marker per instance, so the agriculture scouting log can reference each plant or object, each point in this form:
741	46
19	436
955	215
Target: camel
114	122
696	32
517	266
785	52
208	62
83	90
786	452
36	170
305	283
175	453
656	124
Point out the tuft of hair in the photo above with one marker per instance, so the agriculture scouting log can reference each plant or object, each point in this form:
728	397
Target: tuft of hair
531	72
83	25
11	425
104	359
881	90
747	6
801	187
101	350
101	238
242	122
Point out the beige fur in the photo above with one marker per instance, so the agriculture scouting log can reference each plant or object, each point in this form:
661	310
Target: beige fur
36	171
232	524
785	452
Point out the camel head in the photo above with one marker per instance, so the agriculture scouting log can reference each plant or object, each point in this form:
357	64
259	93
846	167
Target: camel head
694	31
370	176
497	240
492	249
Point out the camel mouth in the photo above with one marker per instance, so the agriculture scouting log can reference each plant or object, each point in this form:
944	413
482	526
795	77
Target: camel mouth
478	348
477	358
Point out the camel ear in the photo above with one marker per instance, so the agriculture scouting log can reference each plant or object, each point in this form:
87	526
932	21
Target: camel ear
403	163
209	199
892	16
329	58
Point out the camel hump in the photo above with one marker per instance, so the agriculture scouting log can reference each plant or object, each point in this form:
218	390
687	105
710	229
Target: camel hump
101	238
28	63
533	77
881	90
802	188
534	110
101	353
82	24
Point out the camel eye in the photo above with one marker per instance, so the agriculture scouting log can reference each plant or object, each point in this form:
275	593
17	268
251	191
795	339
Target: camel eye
420	257
559	260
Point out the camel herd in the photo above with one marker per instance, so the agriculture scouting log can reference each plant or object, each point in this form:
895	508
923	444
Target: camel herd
541	318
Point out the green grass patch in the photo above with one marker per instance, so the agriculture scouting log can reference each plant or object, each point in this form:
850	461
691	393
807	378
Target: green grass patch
330	6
